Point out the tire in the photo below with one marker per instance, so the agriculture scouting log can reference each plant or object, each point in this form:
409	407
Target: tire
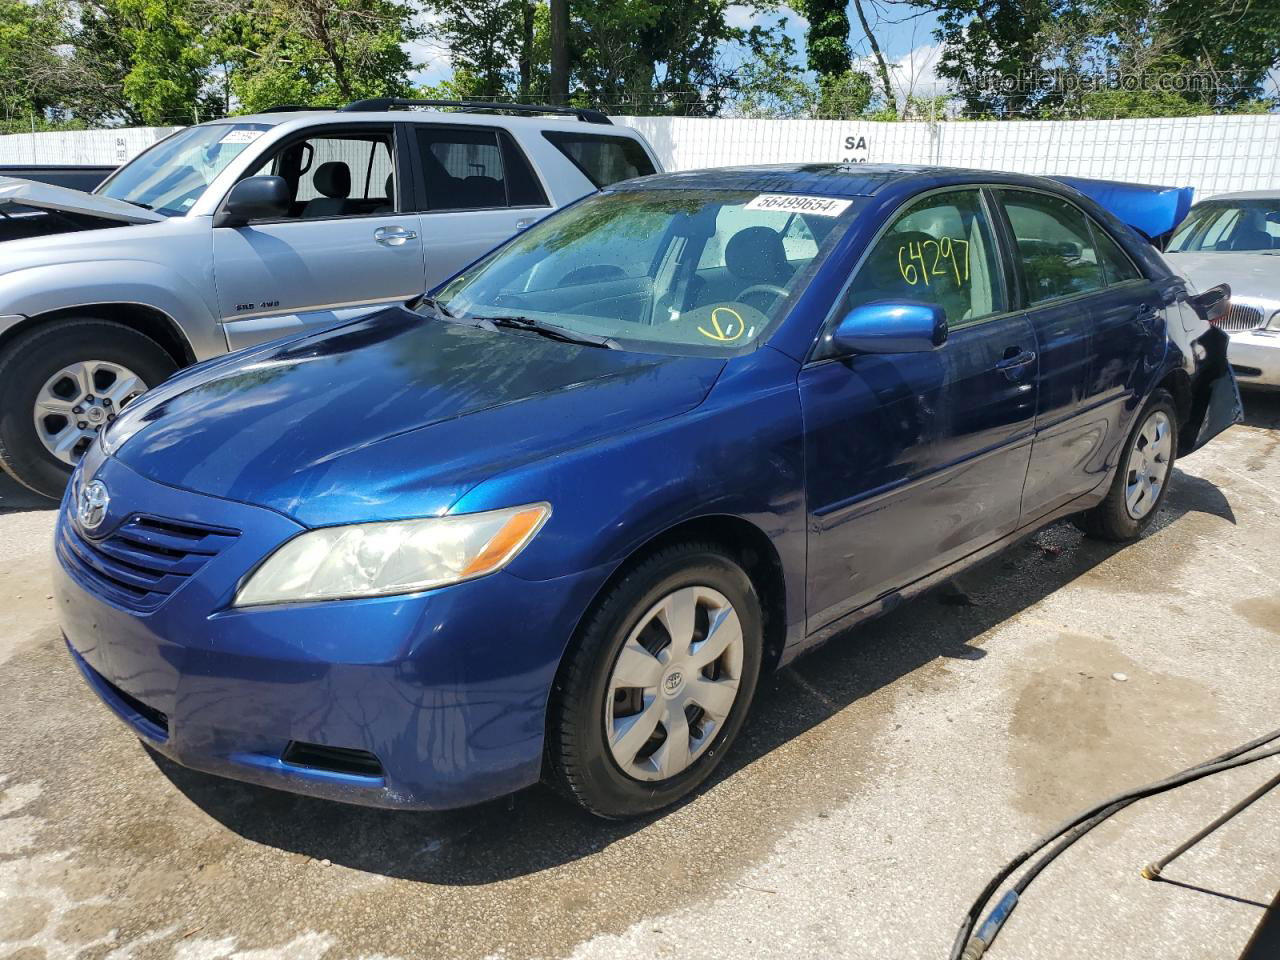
1113	519
581	762
106	352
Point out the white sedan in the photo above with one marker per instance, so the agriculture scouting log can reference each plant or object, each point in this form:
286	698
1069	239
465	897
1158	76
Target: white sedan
1234	238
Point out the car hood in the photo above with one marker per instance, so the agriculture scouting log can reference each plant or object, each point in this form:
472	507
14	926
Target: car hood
1251	275
15	192
393	415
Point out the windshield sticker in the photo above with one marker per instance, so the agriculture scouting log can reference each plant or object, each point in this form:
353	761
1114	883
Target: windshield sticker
242	136
917	262
726	325
792	203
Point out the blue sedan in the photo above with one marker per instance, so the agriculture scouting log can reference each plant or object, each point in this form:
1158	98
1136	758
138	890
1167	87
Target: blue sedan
555	522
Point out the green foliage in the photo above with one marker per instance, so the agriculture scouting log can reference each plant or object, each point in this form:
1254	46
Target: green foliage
828	36
29	64
315	52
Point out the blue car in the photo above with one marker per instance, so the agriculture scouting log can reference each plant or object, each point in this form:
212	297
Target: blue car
555	522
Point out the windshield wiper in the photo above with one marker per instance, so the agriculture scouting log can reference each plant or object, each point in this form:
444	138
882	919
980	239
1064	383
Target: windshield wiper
550	330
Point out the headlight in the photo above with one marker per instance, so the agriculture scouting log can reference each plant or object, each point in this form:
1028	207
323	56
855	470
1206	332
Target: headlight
1274	322
402	556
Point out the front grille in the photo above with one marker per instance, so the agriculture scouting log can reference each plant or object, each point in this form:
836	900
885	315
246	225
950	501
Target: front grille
143	560
1241	318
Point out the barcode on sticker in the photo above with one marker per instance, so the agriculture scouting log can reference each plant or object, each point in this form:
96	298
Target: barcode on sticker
793	203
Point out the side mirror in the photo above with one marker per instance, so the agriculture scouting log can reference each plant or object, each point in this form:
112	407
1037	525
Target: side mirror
256	198
891	326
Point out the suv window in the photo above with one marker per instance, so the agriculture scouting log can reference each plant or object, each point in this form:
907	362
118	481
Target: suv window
472	168
602	160
1055	246
939	250
338	175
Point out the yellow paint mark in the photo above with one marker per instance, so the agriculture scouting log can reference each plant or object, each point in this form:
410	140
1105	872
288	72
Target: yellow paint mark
724	330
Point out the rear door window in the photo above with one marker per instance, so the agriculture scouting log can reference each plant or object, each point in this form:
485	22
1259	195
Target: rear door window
1055	246
602	160
473	168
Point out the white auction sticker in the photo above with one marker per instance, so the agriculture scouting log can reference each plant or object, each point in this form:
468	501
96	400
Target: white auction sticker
242	136
793	203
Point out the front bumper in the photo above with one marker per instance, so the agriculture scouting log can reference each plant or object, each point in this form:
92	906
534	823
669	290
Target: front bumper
1255	358
446	689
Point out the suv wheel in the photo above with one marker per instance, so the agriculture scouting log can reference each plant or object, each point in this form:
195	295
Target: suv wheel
60	385
657	684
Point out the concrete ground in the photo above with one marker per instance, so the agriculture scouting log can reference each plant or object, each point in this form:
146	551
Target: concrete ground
878	785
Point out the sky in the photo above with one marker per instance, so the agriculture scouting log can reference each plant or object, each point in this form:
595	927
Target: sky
905	36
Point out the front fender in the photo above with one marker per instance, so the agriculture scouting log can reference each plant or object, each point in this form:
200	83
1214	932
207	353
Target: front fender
739	454
36	290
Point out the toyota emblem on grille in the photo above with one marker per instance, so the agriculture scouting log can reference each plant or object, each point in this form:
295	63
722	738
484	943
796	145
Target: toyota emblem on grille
91	505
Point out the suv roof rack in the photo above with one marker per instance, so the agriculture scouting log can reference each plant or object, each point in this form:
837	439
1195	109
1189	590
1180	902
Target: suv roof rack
292	108
379	104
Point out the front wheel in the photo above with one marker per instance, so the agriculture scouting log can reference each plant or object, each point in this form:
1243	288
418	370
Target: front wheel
657	684
62	383
1142	476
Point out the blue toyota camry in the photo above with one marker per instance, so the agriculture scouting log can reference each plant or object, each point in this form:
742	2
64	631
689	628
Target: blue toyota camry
555	522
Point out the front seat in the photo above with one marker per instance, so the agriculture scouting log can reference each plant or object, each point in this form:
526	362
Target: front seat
1251	232
756	255
333	180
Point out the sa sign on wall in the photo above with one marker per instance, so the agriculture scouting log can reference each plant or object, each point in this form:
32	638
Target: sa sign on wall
854	149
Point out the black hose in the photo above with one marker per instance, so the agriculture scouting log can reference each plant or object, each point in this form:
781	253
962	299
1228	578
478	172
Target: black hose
965	949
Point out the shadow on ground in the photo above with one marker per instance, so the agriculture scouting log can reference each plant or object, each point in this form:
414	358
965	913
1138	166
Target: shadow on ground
1261	408
15	498
536	830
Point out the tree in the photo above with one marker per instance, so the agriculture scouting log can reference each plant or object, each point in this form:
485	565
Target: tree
485	41
313	52
32	77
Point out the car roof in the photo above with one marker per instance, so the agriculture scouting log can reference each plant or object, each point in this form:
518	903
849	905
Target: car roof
833	179
302	118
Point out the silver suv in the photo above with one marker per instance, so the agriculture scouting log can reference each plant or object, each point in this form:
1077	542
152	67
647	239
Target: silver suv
247	229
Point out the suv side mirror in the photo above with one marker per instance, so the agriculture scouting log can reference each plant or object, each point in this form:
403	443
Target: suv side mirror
255	198
891	326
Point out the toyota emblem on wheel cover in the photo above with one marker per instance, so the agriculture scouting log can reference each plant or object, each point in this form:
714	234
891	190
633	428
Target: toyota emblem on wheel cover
673	681
91	506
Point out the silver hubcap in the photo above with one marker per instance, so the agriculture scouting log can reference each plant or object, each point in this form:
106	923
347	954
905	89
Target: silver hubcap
78	401
1148	465
674	683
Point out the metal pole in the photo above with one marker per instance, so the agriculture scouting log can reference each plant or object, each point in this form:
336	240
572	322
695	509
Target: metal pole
1152	870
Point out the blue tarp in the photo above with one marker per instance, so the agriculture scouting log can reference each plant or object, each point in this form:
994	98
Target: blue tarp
1152	211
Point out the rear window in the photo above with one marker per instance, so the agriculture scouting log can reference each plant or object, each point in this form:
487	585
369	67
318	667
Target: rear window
602	160
474	168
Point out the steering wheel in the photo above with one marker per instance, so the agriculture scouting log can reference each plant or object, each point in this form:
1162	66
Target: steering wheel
772	289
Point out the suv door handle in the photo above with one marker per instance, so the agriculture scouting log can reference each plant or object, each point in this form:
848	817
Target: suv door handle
1013	362
394	236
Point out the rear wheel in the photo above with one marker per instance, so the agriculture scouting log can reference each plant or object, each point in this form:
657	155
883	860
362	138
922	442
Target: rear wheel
59	385
657	684
1142	477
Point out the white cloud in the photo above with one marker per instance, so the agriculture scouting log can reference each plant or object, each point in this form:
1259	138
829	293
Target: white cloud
913	73
743	17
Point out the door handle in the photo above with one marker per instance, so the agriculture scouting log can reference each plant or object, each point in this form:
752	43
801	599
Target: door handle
394	236
524	222
1013	362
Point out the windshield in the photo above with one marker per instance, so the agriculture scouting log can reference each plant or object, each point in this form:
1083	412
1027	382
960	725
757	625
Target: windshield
1232	226
170	177
671	271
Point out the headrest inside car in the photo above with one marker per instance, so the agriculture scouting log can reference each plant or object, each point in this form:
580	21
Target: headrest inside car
333	179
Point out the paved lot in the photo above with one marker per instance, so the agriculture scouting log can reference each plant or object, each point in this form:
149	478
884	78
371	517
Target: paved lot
879	783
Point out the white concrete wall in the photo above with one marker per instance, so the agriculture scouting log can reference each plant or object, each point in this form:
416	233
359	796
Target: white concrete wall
1211	154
